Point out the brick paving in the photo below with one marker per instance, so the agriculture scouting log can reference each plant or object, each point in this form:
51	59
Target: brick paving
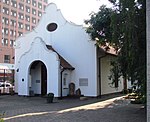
35	109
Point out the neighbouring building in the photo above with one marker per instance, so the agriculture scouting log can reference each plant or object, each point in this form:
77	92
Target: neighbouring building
16	18
56	53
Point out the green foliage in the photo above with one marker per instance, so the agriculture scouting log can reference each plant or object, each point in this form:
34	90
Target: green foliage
1	120
1	117
124	28
99	25
115	73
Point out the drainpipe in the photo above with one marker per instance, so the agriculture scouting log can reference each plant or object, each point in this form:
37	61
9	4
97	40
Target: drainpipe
61	82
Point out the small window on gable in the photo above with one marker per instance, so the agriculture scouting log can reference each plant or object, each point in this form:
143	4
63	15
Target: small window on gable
51	27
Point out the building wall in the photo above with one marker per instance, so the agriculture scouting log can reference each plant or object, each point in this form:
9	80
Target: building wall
14	22
69	40
106	87
148	59
37	52
74	44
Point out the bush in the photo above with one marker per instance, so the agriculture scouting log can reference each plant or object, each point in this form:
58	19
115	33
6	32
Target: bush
1	117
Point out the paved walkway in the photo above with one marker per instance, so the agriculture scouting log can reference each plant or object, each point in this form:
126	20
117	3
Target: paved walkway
35	109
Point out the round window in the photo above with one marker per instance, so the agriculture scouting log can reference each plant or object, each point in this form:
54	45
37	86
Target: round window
51	27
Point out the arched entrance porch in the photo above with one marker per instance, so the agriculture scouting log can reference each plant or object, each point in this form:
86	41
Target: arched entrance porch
37	78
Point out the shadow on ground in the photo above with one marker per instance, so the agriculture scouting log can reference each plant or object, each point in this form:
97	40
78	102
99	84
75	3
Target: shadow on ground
106	109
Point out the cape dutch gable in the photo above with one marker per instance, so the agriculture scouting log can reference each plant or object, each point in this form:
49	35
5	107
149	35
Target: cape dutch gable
57	53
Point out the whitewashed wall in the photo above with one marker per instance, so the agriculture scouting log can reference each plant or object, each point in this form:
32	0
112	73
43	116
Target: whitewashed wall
73	43
38	51
70	41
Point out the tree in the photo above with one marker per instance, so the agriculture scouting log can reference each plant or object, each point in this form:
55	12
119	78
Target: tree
99	25
124	28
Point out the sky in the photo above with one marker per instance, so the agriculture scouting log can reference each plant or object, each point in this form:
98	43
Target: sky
77	11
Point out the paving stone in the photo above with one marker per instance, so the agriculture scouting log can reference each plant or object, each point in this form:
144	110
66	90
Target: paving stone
35	109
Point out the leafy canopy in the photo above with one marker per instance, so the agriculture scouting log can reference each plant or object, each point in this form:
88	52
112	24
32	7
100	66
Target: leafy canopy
123	27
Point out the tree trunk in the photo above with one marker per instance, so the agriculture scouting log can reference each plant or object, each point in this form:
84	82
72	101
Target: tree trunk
125	85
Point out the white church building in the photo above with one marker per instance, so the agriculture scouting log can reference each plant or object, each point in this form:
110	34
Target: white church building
57	53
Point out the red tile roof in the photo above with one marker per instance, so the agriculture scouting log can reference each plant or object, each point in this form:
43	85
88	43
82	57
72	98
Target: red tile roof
109	50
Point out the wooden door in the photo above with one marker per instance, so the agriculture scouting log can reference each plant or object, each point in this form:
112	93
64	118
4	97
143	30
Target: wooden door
43	80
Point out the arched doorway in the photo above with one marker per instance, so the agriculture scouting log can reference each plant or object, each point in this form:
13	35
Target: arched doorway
38	78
